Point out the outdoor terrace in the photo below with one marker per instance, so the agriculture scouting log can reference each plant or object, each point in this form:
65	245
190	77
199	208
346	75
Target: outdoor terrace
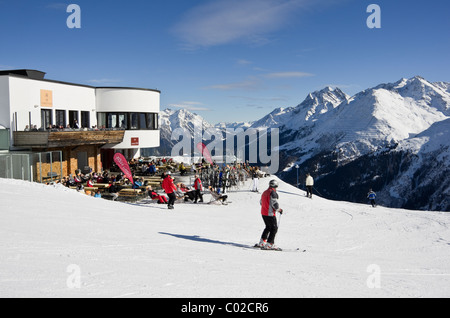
56	139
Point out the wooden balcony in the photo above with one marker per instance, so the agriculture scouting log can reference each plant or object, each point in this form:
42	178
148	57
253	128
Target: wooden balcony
59	139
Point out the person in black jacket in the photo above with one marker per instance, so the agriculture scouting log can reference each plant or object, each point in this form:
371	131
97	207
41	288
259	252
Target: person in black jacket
114	190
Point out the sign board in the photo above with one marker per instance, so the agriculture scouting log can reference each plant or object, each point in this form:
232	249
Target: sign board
46	98
135	141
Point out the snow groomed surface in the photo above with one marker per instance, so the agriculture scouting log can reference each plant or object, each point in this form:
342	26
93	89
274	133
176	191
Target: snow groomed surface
55	242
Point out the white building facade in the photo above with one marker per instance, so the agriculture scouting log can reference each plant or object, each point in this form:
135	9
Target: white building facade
28	100
113	119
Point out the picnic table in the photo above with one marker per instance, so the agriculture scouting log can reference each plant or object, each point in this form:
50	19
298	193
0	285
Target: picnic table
102	185
129	194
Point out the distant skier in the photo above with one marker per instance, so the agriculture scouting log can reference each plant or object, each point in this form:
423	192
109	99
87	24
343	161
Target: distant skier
198	189
309	186
372	197
170	189
269	209
255	178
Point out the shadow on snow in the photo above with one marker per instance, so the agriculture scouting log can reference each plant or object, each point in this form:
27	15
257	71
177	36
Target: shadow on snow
197	238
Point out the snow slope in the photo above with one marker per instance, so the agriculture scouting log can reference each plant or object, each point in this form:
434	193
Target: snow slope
143	250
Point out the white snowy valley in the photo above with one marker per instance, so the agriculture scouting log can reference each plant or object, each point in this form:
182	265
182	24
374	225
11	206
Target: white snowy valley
55	242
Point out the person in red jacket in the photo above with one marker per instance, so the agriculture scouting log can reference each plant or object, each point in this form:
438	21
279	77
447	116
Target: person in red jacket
269	209
170	189
198	189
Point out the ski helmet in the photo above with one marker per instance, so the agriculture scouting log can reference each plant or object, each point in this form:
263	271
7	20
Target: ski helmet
273	184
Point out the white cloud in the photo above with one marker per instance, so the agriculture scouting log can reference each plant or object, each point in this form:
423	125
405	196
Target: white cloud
104	81
227	21
251	84
265	99
288	75
244	62
258	82
57	6
192	106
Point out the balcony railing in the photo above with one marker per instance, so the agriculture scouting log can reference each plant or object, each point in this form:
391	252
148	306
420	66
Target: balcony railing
58	139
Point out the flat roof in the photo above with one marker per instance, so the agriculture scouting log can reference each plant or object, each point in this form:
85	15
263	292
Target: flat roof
39	76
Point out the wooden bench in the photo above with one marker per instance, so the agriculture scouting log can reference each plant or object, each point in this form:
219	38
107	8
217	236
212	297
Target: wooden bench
90	189
87	189
131	194
102	185
51	178
152	179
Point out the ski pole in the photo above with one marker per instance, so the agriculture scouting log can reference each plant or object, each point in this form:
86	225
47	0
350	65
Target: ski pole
279	221
318	192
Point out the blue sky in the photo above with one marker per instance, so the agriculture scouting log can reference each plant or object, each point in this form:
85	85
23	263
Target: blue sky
229	60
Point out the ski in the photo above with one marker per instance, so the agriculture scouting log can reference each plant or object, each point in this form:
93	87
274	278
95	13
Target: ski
297	250
289	250
271	249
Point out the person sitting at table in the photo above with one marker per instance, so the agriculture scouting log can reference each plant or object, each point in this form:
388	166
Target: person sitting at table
137	183
114	190
90	183
77	179
182	169
71	181
80	187
151	169
105	177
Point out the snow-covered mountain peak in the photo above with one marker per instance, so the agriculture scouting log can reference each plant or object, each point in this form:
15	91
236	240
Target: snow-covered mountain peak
422	92
182	118
315	105
326	97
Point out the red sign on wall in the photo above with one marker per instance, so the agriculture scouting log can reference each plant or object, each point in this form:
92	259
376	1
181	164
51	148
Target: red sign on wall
135	141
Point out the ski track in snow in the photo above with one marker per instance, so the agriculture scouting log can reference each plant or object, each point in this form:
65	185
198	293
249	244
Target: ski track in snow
144	250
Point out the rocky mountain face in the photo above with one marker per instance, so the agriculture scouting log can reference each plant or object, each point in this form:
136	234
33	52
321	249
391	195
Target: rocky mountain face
393	138
169	121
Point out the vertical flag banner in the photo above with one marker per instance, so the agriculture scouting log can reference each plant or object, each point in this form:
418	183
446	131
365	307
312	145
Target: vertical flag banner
204	151
120	160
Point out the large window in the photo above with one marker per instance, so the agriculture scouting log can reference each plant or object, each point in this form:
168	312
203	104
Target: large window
122	121
60	118
73	118
46	118
128	121
101	120
112	120
85	120
134	121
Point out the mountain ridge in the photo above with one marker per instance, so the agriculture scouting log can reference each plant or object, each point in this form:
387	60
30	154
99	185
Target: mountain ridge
331	131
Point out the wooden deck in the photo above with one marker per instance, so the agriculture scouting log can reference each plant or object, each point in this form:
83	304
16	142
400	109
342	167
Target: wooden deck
58	139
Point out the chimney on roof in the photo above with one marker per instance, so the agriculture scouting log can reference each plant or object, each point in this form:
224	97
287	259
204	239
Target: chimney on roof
31	74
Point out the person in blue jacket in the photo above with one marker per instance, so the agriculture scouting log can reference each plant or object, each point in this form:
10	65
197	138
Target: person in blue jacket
372	197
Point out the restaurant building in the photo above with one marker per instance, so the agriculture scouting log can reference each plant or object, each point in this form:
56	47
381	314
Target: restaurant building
85	125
